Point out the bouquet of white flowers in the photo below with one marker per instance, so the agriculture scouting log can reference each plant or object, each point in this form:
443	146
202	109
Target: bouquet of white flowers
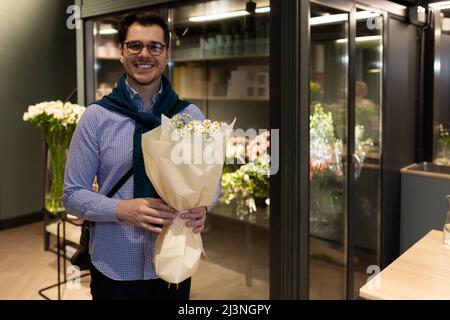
184	161
180	126
57	121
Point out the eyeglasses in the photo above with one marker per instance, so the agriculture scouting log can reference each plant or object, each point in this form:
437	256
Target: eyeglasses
154	48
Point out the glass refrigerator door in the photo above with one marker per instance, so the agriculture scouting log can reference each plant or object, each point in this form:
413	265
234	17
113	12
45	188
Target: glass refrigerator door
328	141
441	96
342	251
368	146
222	65
107	67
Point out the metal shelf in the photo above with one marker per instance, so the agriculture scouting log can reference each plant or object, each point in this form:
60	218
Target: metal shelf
227	99
220	58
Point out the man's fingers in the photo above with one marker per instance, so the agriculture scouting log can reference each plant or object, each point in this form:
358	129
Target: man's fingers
159	213
151	228
158	204
199	229
165	214
198	210
191	215
195	223
162	206
156	220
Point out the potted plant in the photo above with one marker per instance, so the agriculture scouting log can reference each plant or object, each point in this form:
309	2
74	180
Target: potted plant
247	185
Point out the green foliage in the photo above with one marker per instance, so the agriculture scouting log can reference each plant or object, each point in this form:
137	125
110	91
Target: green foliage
444	136
316	92
249	181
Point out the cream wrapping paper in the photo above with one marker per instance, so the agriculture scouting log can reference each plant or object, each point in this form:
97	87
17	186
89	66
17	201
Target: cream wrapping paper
182	186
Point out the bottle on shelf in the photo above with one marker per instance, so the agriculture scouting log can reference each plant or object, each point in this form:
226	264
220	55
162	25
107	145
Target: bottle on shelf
220	44
229	47
211	50
250	43
238	47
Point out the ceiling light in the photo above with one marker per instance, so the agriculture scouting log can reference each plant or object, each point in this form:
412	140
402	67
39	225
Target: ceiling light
108	31
360	39
328	19
262	10
440	5
333	18
219	16
226	15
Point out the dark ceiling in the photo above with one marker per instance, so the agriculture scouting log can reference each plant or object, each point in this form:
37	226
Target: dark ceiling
415	2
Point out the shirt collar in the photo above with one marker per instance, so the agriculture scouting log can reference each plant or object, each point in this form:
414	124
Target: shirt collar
135	95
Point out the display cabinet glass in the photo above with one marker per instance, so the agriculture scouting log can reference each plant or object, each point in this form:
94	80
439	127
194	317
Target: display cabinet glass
328	138
441	83
106	54
220	64
330	107
367	145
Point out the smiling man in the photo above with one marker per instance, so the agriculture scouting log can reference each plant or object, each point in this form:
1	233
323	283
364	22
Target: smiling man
126	214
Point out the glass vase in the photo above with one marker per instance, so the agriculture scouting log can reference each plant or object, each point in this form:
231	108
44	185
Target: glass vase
241	208
442	153
55	180
57	145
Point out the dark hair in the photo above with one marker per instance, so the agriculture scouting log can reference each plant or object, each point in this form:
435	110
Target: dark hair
146	18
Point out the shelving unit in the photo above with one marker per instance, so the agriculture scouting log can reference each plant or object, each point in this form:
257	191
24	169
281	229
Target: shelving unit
220	58
107	58
73	232
228	99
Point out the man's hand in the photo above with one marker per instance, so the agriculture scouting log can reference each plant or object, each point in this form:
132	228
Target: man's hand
196	217
145	213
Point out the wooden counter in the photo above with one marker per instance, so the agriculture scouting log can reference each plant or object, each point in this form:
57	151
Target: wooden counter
422	272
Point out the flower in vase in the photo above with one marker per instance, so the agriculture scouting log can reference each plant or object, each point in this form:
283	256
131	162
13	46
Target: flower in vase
57	121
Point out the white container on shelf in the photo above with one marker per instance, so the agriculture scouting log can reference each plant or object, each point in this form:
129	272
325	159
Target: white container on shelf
228	47
249	82
211	46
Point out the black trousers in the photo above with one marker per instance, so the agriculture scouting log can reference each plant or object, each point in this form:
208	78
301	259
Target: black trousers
104	288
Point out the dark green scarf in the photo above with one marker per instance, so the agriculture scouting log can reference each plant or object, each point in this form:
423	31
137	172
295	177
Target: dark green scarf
119	100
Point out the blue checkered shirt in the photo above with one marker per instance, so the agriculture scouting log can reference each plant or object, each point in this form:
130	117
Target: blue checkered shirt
102	147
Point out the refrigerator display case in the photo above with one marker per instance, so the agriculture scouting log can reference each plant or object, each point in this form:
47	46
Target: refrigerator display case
219	62
360	59
441	81
330	126
336	198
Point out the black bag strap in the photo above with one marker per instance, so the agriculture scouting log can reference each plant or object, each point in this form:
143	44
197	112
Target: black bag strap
120	183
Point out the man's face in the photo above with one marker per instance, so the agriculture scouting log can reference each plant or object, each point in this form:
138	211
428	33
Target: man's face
144	68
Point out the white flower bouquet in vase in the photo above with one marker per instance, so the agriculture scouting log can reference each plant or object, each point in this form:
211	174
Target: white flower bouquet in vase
184	161
57	121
